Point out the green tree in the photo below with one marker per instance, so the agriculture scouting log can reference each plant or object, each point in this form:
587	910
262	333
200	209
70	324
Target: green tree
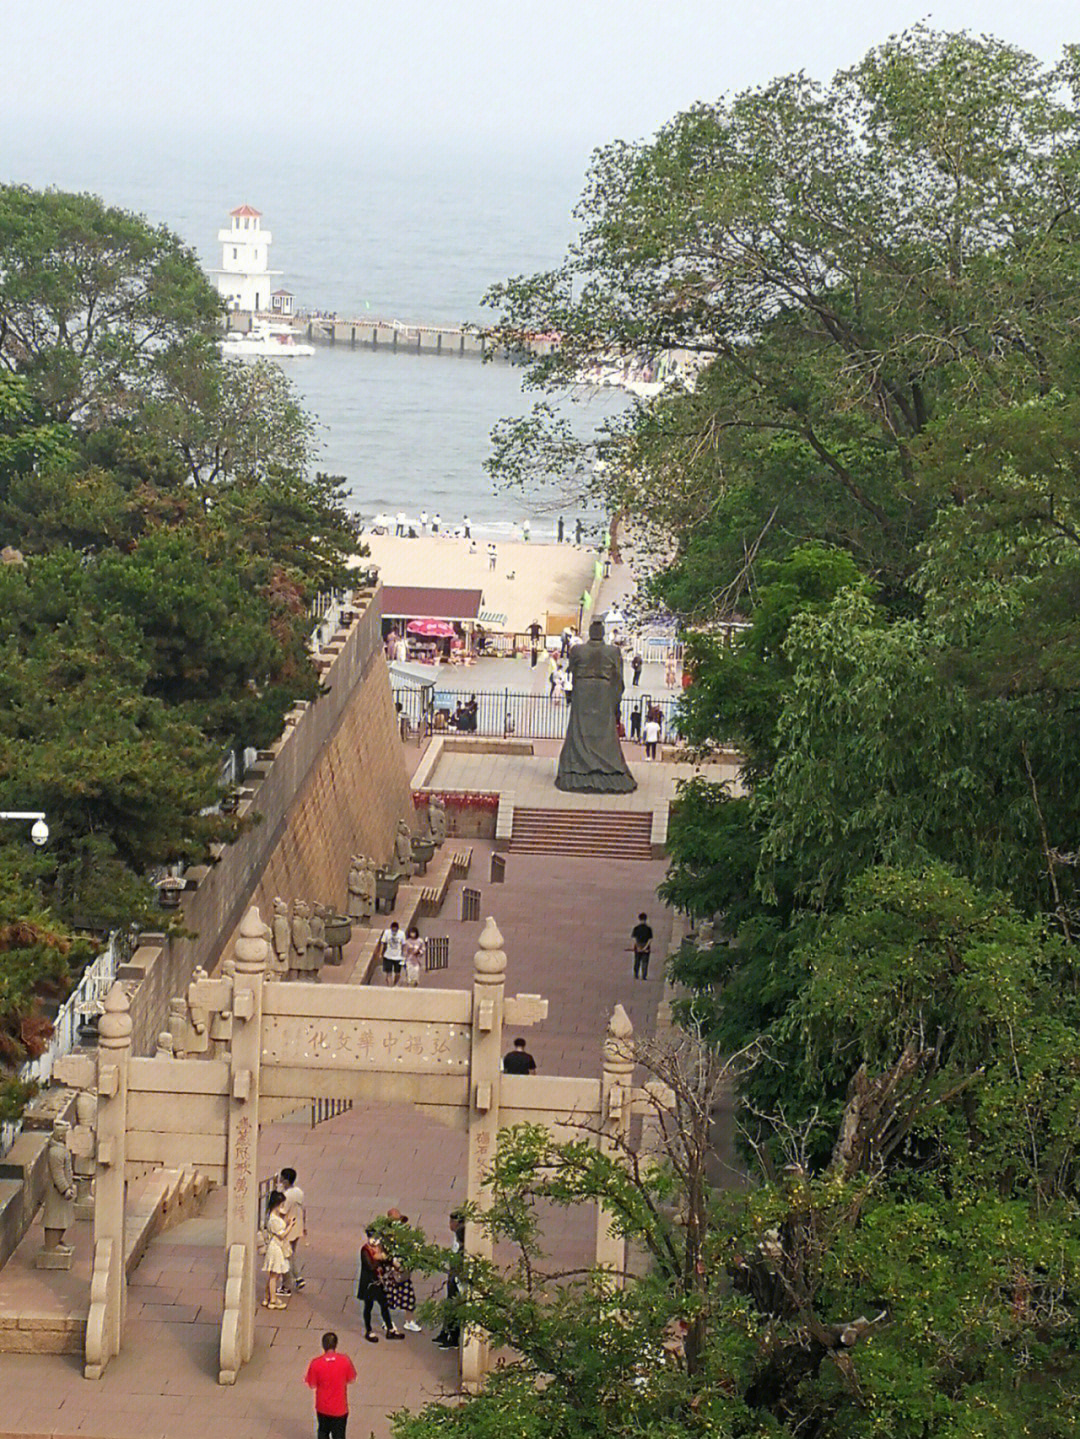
94	302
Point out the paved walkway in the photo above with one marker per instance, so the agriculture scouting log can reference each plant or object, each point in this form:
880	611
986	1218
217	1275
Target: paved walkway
531	778
565	923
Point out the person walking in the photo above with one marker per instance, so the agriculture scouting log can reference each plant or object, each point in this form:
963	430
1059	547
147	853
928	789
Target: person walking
518	1060
293	1210
449	1336
652	736
636	666
369	1286
414	952
397	1280
635	723
393	953
278	1250
642	936
466	528
330	1376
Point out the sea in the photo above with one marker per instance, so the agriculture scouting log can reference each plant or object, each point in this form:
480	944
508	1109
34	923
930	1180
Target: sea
388	230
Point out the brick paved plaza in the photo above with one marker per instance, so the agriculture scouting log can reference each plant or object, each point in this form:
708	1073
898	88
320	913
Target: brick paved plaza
565	924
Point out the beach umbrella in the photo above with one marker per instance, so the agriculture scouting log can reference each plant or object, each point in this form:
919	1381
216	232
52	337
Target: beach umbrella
432	629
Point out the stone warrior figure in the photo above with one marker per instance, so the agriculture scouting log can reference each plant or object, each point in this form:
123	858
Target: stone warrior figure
221	1020
301	933
60	1190
281	935
361	889
198	1018
83	1148
591	758
436	813
316	940
403	861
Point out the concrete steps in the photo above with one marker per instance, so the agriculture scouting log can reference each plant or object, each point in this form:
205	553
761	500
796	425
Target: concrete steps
591	833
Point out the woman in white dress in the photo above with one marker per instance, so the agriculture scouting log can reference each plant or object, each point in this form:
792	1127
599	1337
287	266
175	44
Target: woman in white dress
278	1249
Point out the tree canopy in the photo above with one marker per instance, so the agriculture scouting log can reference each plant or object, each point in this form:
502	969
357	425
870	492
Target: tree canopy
164	540
868	289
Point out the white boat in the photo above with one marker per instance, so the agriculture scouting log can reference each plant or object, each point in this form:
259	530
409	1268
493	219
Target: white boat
264	341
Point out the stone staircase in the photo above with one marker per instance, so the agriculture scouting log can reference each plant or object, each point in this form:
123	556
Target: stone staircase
590	833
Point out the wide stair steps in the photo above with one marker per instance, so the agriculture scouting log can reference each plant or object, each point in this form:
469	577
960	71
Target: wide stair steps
590	833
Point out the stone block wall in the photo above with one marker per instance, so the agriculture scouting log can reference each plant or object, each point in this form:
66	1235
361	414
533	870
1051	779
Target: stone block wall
335	782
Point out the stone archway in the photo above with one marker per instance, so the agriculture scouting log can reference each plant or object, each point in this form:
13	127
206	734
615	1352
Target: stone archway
440	1050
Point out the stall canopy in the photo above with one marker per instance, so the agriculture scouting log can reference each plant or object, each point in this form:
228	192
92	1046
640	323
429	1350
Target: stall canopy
422	602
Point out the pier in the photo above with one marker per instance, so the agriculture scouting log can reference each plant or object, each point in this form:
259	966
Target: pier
394	336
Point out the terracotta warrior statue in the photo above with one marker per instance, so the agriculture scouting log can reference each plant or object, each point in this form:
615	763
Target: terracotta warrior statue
403	860
281	940
60	1190
316	940
591	758
436	810
301	932
361	889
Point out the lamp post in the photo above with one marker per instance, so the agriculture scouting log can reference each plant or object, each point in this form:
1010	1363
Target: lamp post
40	831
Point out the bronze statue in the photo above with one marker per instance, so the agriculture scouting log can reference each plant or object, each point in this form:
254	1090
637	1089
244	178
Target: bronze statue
591	758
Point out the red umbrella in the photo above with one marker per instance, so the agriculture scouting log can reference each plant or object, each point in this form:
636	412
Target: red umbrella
432	629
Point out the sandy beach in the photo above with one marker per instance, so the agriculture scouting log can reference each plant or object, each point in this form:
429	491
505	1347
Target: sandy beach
529	581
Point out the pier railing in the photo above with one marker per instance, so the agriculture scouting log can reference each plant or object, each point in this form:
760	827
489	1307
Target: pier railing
505	713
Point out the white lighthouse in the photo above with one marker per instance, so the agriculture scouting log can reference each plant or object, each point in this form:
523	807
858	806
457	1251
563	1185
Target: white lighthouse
245	280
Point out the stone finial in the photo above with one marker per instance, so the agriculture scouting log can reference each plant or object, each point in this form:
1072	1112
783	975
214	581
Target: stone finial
114	1027
251	948
619	1040
490	957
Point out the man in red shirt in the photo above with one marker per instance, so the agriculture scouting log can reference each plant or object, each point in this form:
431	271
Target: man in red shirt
330	1376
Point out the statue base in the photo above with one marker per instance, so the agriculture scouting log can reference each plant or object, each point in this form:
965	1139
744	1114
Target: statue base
596	783
84	1209
58	1258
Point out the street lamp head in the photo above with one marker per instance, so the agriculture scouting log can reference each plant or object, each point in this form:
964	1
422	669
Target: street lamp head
40	832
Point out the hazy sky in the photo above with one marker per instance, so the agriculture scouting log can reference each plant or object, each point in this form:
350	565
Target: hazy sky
575	71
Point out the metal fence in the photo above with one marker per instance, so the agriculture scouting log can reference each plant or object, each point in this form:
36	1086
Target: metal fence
526	716
82	1005
437	952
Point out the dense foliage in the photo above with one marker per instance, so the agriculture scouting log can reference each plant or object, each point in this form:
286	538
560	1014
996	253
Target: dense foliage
877	468
162	542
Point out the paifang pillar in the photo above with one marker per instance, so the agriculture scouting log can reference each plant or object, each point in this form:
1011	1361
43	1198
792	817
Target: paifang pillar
485	1079
615	1108
108	1283
241	1214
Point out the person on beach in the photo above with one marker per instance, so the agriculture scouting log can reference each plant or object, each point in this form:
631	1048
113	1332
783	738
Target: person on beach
293	1211
278	1250
560	531
399	523
423	522
526	530
436	521
466	529
369	1286
330	1376
493	555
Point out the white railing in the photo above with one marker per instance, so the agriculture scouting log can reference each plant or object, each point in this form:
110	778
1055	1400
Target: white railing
84	1001
327	608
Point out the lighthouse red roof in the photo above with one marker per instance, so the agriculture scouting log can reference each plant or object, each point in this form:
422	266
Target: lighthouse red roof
246	210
